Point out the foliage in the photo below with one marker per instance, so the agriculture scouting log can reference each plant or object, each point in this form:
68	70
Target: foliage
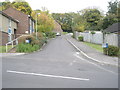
5	4
28	37
80	38
111	50
34	44
22	6
65	20
92	32
27	48
50	34
92	16
64	33
45	22
113	6
3	48
79	23
112	15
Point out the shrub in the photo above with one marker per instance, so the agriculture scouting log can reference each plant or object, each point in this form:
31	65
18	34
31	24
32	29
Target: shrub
92	32
80	38
27	48
50	34
111	50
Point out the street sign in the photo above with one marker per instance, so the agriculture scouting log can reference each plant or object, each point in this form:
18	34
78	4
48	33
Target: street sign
27	41
105	45
9	31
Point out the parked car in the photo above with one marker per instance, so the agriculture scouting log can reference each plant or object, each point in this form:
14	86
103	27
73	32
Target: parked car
58	34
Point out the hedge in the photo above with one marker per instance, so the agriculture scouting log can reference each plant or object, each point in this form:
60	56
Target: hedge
80	38
111	50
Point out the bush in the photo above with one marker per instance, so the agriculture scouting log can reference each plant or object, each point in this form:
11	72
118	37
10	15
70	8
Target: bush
111	50
92	32
28	37
34	44
50	34
80	38
27	48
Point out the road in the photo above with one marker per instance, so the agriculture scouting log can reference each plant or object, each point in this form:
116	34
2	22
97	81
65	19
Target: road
57	65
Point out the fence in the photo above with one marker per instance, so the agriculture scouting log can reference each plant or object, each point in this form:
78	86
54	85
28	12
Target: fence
13	43
97	38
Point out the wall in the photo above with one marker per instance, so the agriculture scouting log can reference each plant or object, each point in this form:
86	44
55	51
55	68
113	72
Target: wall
97	38
23	19
112	39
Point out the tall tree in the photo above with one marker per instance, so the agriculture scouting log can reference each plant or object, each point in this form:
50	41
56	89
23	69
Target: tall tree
113	14
45	22
5	4
23	6
92	16
112	8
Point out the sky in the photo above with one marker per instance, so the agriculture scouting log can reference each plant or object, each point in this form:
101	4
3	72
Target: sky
64	6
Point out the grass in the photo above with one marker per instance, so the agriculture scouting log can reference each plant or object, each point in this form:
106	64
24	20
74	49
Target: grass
3	48
64	33
95	46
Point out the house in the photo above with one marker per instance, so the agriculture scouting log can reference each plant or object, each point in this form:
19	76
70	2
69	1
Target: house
8	28
113	36
57	28
114	28
26	22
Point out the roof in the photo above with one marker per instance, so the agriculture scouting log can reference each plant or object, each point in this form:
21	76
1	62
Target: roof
4	14
113	28
20	12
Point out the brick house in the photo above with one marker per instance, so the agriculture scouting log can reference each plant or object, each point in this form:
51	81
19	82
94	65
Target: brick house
8	27
26	22
57	28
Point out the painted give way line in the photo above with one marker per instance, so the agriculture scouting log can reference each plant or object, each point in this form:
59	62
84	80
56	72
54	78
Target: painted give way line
46	75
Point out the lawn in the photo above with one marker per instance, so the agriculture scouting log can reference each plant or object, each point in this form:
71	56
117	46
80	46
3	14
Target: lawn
95	46
3	48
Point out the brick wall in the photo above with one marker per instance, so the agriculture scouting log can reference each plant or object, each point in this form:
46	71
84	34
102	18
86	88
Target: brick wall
23	19
4	38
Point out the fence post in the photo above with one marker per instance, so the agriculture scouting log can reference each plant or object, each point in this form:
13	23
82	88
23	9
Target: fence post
12	44
6	48
16	41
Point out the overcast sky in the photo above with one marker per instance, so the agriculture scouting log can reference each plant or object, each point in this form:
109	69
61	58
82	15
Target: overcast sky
62	6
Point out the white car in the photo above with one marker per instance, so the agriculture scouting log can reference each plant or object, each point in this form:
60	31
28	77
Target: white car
58	34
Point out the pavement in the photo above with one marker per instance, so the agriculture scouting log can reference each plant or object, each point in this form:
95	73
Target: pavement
10	54
91	53
57	65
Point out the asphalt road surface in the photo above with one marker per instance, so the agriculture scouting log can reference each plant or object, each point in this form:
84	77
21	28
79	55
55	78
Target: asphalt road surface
57	65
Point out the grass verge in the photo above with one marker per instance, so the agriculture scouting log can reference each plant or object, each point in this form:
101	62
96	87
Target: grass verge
3	48
95	46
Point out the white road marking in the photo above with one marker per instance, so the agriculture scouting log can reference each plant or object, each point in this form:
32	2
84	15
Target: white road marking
46	75
94	64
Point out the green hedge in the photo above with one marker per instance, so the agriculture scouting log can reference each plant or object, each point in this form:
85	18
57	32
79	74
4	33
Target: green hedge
80	38
111	50
27	48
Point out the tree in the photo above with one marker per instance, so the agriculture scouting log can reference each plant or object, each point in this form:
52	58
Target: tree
45	22
79	23
5	4
112	8
92	16
65	20
113	14
23	6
